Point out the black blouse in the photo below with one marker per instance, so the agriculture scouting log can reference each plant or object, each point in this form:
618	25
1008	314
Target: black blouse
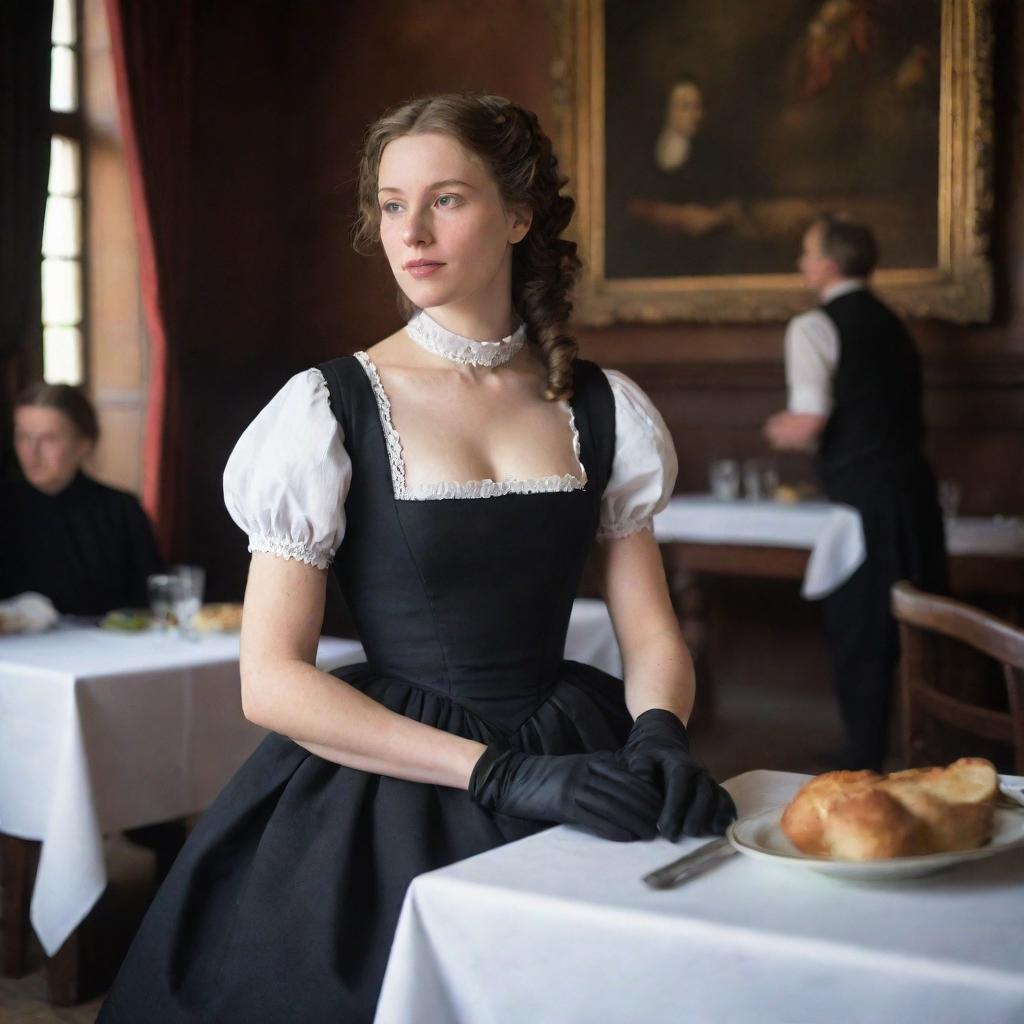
89	548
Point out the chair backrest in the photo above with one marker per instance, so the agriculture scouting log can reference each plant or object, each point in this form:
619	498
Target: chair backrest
920	614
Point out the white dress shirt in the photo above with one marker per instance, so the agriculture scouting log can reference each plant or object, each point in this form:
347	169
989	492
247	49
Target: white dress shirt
812	354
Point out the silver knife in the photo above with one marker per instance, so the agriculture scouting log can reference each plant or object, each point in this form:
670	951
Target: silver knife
690	864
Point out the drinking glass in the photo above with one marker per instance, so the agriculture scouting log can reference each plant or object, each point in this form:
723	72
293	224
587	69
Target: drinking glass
188	588
161	590
949	499
752	480
724	478
760	479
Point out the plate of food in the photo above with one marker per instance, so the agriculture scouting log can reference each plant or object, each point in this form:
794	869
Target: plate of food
127	620
225	617
862	826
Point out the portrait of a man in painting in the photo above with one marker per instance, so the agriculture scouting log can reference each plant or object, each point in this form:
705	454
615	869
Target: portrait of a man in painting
703	137
728	125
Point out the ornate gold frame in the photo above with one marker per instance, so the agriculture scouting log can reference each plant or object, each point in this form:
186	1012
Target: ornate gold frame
958	288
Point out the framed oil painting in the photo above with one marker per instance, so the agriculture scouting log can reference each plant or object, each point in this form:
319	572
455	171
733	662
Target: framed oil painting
701	138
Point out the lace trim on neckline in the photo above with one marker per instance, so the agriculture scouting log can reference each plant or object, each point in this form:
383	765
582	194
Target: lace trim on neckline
429	334
391	438
470	488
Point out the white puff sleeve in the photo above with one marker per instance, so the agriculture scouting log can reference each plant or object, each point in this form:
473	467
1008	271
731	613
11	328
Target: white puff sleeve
286	481
645	466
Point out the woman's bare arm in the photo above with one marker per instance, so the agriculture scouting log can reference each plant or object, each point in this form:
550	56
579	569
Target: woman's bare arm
658	670
282	690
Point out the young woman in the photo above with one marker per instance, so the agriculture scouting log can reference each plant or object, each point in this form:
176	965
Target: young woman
86	546
456	473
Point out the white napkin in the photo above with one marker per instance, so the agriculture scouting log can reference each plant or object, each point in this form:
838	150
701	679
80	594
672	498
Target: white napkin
27	613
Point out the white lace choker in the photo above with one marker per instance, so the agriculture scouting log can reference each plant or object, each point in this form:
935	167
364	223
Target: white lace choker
444	343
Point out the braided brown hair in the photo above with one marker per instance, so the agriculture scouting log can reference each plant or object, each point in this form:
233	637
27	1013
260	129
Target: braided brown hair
522	162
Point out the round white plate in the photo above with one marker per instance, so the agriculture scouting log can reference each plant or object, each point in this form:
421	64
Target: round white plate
761	836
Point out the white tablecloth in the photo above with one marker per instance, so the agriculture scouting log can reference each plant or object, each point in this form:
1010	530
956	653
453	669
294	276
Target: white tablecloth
101	731
591	638
832	533
999	536
559	927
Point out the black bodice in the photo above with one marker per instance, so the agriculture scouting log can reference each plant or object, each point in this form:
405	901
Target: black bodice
473	597
283	903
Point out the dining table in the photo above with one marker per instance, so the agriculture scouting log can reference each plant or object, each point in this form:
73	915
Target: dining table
821	544
560	927
706	542
103	731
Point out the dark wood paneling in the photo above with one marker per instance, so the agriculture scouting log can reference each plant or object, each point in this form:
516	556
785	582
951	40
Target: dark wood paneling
283	94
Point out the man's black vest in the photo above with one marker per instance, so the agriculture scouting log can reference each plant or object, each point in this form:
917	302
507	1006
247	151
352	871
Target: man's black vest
876	420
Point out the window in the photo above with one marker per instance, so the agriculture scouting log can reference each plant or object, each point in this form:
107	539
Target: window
63	293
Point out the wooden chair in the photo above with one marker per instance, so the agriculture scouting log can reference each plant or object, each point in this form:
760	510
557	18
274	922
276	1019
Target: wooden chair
920	614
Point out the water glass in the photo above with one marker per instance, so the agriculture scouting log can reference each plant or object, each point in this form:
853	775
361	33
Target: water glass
190	581
724	478
769	480
161	589
949	499
752	480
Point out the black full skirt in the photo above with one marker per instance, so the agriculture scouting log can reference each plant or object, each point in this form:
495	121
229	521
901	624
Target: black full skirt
283	904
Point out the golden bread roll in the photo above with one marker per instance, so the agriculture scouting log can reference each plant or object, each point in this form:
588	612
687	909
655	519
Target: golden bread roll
954	806
224	617
787	494
865	816
803	820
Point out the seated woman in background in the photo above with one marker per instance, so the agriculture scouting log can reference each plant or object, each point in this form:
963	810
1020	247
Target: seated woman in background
86	546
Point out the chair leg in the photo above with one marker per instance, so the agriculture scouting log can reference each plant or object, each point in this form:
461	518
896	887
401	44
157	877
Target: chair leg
911	669
19	858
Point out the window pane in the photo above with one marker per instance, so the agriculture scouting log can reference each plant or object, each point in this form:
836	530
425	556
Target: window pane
62	228
65	167
62	355
63	87
62	292
64	28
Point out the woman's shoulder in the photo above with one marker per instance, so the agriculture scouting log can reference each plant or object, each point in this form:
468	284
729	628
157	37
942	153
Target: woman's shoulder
629	396
385	352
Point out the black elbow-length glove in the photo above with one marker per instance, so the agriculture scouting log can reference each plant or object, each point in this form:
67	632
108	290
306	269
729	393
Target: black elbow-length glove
658	750
571	789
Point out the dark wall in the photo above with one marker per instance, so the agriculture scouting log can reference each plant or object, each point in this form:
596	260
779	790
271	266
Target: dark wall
283	93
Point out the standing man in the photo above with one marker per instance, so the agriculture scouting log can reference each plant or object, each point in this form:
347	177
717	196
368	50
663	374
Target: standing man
854	379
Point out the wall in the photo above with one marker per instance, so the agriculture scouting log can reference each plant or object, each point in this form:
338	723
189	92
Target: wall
282	95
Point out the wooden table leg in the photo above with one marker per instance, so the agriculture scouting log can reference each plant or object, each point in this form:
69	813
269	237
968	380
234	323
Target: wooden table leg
62	974
18	858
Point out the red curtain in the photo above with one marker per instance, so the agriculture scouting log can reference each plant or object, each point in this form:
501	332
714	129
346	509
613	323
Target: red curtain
152	46
24	162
